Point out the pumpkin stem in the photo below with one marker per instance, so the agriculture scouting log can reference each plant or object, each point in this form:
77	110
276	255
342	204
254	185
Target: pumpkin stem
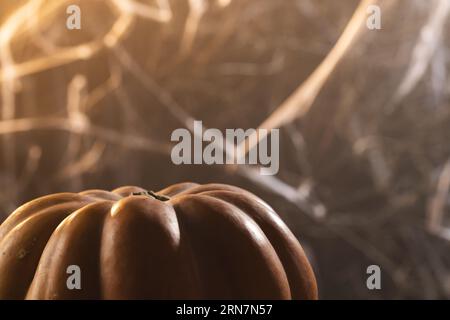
151	194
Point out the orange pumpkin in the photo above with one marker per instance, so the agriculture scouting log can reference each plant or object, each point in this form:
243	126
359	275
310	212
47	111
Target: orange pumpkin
186	241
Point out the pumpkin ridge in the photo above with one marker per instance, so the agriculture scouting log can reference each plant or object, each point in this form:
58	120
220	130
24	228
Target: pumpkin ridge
22	248
286	246
188	274
8	228
257	273
256	219
138	255
101	194
75	241
31	208
194	271
212	187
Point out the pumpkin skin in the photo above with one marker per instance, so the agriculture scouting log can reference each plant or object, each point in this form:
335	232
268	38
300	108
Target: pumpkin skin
210	241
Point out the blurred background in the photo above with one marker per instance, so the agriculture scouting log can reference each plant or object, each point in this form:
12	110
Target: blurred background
364	117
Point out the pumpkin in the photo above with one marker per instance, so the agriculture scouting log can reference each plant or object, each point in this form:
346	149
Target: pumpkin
187	241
